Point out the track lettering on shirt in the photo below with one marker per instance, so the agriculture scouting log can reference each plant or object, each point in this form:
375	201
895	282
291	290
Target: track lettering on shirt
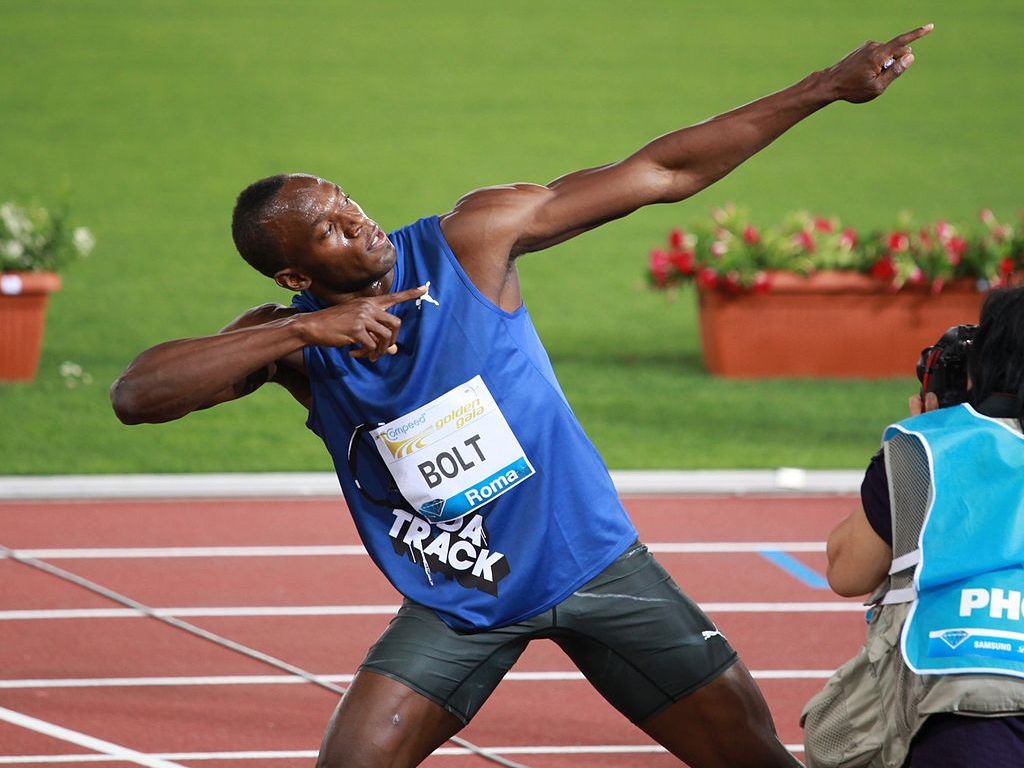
456	548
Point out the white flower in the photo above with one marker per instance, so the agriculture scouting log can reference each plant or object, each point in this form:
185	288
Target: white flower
11	248
83	240
74	375
15	219
68	368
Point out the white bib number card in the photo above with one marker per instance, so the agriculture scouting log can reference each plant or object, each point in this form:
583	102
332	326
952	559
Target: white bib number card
453	455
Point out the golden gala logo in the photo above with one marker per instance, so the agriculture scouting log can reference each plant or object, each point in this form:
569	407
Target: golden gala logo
401	444
407	445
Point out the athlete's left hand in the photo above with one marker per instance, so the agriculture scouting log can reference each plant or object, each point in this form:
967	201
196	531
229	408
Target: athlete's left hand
866	72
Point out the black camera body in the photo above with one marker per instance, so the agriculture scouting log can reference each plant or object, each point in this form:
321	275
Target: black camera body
942	368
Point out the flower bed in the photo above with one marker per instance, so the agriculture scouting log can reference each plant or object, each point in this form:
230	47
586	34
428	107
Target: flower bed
814	298
728	253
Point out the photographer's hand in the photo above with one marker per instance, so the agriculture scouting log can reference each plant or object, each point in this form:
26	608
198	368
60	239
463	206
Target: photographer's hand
919	406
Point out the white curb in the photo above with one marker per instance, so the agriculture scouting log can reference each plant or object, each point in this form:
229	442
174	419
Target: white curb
786	480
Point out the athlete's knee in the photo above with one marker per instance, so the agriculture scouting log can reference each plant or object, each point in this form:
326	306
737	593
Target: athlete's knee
380	747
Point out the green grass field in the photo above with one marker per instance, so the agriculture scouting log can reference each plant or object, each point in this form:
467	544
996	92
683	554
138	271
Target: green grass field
149	117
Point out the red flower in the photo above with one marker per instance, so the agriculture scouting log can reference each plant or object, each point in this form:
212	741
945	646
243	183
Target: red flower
719	248
883	269
659	267
1006	267
750	235
823	225
676	239
706	278
805	241
916	276
943	230
955	248
937	285
898	242
682	261
762	283
731	282
848	239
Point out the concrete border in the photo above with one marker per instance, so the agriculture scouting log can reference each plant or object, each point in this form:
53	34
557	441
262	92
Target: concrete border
786	480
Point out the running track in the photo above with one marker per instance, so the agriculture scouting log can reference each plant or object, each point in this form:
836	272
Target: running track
284	576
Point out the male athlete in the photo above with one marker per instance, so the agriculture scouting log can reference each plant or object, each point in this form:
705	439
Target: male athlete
469	479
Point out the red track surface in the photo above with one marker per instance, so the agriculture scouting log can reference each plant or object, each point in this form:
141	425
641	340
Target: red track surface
291	717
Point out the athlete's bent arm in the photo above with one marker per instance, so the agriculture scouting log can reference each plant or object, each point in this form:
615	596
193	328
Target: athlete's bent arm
497	223
172	379
177	377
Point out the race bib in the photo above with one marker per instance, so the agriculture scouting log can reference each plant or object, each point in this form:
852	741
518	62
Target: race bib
453	455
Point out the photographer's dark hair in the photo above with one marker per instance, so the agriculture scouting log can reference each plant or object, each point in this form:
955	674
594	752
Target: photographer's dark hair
254	207
996	360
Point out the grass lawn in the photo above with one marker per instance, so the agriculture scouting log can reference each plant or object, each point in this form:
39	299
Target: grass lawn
149	117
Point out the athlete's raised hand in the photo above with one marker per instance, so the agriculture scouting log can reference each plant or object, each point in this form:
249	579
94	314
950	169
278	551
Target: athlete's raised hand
364	322
865	73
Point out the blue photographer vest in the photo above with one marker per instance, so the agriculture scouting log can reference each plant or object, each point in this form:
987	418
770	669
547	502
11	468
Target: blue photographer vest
489	504
969	576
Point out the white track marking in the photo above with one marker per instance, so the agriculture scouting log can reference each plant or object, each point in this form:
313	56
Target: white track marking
112	553
213	680
325	484
833	606
344	550
110	751
303	754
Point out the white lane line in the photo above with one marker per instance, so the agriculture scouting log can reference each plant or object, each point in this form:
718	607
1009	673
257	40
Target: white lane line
212	680
832	606
111	553
109	750
325	484
213	611
304	754
346	550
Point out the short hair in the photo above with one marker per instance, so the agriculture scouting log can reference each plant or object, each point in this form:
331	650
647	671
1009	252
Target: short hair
996	359
253	209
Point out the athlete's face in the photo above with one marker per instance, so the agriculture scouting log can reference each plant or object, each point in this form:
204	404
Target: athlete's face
328	238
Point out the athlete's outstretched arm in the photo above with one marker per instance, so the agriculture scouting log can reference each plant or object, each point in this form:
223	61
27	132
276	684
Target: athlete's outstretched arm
172	379
500	222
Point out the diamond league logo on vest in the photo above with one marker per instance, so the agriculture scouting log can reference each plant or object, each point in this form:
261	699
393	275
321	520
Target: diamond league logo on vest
457	549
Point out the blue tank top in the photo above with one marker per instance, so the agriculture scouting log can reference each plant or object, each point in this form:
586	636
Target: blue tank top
968	615
490	505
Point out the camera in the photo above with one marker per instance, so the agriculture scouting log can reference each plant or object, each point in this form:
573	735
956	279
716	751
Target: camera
942	368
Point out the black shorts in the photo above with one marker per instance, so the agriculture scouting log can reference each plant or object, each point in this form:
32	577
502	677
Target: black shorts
631	631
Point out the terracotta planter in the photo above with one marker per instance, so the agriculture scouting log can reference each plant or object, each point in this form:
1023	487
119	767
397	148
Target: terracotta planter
23	298
833	324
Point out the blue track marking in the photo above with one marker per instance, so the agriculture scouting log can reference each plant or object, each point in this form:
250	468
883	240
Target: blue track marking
795	568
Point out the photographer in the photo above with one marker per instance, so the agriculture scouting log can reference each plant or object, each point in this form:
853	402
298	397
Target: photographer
940	540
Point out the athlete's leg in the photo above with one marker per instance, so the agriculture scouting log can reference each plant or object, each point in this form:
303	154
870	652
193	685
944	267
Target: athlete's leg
420	683
725	724
382	723
658	659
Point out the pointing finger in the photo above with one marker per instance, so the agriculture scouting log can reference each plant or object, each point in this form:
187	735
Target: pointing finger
908	37
392	299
